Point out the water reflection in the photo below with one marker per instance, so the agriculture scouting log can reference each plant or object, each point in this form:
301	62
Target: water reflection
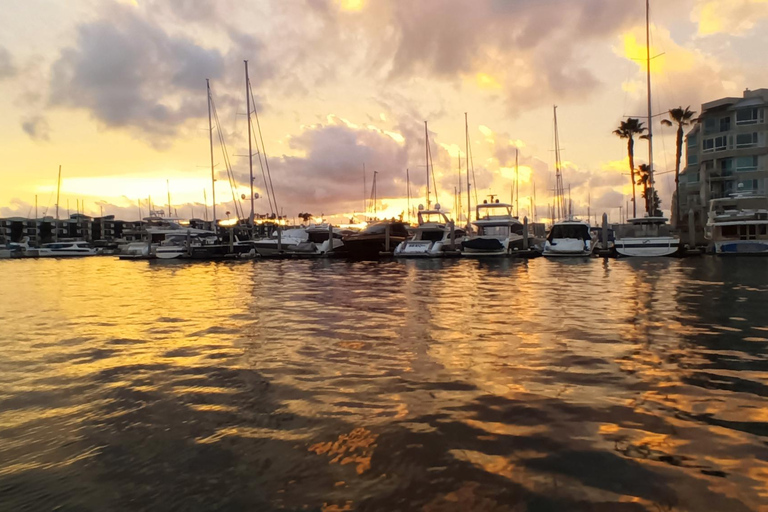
418	385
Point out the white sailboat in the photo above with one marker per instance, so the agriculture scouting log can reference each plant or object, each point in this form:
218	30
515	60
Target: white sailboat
648	236
568	237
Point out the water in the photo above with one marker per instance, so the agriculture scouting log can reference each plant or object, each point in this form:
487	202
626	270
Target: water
423	385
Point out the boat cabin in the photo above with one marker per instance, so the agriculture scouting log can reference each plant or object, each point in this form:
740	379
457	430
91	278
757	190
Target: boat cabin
569	230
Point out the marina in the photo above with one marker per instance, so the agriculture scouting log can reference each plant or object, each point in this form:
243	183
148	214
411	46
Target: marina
430	383
384	256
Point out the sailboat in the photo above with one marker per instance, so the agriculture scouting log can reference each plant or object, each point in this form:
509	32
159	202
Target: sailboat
649	235
435	232
568	237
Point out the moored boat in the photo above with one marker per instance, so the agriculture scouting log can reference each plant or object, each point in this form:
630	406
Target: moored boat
432	237
647	237
66	249
498	231
569	238
372	241
738	225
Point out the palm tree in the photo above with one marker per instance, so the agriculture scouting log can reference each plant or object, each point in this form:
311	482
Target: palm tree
644	180
627	130
682	117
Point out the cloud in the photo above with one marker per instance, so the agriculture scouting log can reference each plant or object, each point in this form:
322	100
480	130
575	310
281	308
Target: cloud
7	67
128	72
327	170
36	127
735	17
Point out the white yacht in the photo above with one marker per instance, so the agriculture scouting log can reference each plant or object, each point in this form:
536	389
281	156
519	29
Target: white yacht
431	238
498	231
154	231
647	236
66	249
569	238
738	224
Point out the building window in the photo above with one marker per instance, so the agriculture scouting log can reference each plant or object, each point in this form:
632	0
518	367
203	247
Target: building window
726	166
693	177
746	140
748	116
692	141
693	159
710	125
716	144
747	185
725	124
746	163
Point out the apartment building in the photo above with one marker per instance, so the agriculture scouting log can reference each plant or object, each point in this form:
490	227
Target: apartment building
726	153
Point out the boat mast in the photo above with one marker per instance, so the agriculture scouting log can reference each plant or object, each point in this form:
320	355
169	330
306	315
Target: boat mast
168	189
250	151
466	154
559	207
408	192
650	114
365	194
458	199
58	195
213	176
426	156
517	182
375	198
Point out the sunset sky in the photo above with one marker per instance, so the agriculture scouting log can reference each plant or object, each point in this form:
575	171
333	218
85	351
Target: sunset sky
114	92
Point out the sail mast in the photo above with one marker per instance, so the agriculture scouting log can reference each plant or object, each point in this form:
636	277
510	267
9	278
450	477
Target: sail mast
250	150
559	207
408	192
466	154
168	189
213	176
58	195
650	201
517	182
426	156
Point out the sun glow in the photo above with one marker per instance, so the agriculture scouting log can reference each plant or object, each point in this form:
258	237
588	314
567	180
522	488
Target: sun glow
352	5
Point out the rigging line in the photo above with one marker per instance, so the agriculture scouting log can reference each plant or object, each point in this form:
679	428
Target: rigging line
264	150
472	166
258	153
432	169
227	163
272	208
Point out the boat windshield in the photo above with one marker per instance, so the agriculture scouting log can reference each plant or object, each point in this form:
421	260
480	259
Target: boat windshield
396	229
577	231
431	217
493	211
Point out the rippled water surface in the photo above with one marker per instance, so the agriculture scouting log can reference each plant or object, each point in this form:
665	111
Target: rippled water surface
423	385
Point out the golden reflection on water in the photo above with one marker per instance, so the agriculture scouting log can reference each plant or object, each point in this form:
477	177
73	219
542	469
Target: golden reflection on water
441	385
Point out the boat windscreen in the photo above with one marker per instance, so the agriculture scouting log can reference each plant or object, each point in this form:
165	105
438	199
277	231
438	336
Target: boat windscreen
577	231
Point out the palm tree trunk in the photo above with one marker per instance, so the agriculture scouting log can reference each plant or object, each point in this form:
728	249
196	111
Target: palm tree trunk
679	155
631	154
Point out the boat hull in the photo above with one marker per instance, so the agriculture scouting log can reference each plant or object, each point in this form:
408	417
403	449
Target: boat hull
419	249
45	253
647	246
735	247
567	248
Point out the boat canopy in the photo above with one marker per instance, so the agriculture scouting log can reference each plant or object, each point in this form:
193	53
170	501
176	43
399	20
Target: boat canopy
573	230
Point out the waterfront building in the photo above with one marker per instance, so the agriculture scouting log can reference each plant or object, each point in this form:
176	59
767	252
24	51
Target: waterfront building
726	153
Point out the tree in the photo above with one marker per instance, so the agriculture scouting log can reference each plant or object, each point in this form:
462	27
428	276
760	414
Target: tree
651	197
627	130
681	117
644	180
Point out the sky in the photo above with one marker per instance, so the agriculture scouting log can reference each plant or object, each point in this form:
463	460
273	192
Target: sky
114	92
